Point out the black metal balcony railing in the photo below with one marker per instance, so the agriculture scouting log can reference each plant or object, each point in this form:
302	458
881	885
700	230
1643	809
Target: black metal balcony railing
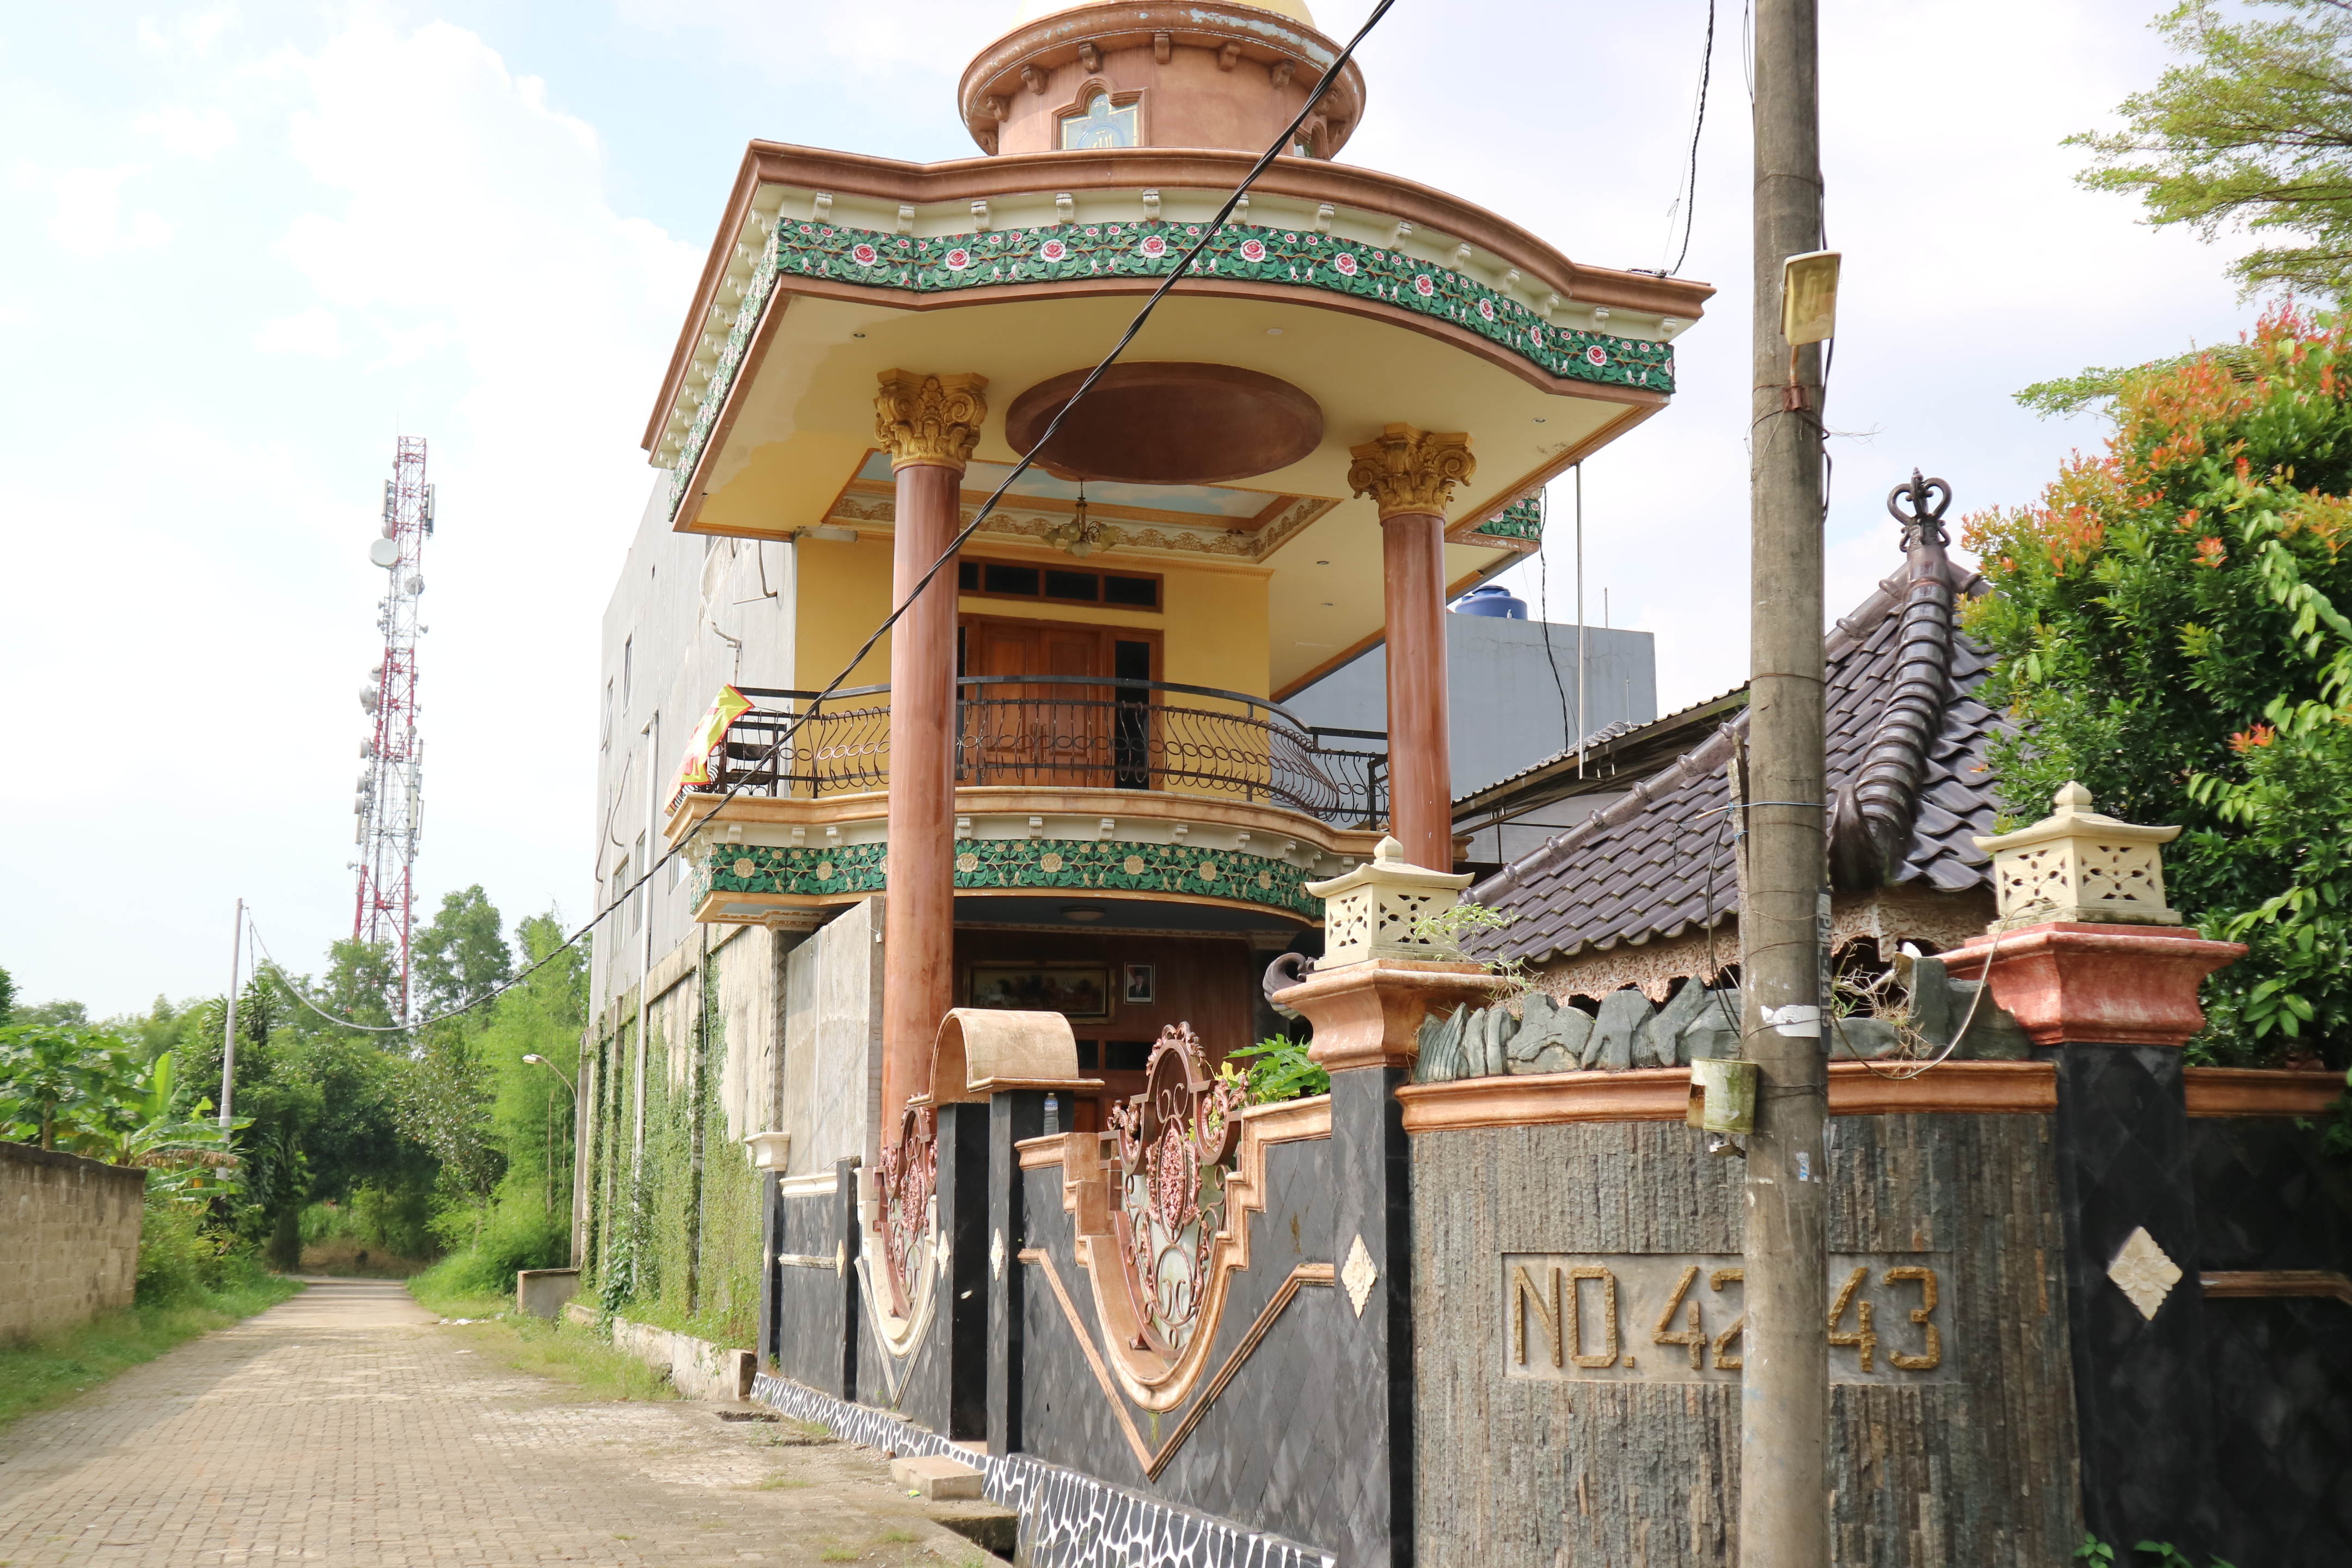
1068	732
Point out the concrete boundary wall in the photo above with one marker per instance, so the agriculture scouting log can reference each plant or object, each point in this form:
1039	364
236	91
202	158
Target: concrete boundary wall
697	1368
69	1237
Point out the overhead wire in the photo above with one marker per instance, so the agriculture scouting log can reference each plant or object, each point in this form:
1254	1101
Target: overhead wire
1177	274
1690	201
1543	600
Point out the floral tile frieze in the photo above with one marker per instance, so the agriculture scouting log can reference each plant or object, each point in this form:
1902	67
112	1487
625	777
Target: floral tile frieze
1009	864
1083	253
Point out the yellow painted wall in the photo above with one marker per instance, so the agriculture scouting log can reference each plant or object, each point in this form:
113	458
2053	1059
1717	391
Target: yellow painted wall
845	592
1213	625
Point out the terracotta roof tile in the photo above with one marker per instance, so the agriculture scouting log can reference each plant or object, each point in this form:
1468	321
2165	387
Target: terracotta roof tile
1659	862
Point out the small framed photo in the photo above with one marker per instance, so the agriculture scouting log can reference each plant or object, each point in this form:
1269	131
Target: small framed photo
1073	990
1136	989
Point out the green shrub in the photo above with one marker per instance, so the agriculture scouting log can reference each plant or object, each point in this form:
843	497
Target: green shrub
514	1236
184	1259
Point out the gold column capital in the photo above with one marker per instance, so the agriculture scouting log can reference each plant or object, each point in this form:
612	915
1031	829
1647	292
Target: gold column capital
1411	472
933	419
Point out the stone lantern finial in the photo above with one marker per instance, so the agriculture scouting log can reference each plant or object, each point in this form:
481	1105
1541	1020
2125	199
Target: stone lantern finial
2076	864
1381	911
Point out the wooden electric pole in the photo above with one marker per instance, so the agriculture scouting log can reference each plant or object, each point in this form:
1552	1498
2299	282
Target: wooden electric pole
1784	1394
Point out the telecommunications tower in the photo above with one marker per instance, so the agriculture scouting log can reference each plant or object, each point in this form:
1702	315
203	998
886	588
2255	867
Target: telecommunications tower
391	802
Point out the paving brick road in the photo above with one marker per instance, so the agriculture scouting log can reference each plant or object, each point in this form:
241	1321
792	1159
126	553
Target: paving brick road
345	1426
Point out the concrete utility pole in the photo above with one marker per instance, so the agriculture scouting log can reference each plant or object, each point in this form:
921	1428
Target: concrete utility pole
1784	1393
228	1019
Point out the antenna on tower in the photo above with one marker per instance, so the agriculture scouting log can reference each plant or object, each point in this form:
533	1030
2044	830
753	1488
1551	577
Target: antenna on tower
389	805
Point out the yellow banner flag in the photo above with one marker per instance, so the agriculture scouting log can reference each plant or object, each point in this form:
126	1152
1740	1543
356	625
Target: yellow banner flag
694	768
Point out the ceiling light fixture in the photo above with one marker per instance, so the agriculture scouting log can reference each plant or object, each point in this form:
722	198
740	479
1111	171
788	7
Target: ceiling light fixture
1081	536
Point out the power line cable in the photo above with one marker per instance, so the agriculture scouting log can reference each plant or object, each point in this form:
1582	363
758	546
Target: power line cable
1176	275
1543	595
1706	74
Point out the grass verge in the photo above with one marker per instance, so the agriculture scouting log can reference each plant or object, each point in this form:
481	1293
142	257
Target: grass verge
52	1368
567	1351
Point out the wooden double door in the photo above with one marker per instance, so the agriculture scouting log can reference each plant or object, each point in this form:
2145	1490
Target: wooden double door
1025	727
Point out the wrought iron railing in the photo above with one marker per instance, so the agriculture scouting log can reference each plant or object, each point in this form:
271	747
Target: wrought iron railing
1067	731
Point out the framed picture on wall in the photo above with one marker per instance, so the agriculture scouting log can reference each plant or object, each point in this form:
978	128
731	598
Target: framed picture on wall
1073	990
1136	991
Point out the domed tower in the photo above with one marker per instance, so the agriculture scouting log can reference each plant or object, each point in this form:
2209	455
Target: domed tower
1074	76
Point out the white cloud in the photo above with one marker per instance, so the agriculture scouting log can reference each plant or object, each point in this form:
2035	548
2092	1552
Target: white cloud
180	132
89	218
196	32
315	330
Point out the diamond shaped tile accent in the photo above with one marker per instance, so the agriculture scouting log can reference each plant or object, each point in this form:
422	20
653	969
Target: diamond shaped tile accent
1358	1274
2143	1272
996	1256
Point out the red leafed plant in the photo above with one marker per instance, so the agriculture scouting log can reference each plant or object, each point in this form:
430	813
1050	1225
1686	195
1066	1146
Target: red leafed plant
2170	627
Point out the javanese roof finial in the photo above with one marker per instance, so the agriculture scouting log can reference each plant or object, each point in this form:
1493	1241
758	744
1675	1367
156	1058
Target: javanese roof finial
1923	522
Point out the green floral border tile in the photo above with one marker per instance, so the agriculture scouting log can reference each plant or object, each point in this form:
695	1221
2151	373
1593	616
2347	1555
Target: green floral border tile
1078	253
1065	864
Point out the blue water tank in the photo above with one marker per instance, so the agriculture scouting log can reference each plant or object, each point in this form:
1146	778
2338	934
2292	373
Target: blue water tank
1494	600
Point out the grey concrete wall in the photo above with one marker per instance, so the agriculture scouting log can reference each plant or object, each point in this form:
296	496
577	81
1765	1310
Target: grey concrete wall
748	977
1505	707
664	655
68	1236
832	1042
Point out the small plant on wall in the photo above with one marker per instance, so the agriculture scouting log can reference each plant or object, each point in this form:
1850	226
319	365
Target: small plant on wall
1459	921
1278	1069
2094	1550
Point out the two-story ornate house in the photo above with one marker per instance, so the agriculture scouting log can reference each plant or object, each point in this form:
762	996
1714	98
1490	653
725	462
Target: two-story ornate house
1065	782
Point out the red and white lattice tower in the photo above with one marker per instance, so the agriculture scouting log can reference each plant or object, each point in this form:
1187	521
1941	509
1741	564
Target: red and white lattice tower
390	789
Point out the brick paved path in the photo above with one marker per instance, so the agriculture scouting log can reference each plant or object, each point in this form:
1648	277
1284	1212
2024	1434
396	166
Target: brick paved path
345	1427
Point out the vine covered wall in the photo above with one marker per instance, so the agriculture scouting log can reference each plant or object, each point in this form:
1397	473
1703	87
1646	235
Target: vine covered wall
672	1230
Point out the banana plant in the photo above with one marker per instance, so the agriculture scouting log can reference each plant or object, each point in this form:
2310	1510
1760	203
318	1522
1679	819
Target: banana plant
187	1155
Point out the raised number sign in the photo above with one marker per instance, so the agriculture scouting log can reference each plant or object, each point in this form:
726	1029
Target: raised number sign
1663	1318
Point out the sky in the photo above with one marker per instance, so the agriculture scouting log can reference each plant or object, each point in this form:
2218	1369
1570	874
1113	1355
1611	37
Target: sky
242	247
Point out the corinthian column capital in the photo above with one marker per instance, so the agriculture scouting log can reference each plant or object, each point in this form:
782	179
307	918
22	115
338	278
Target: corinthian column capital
933	419
1411	472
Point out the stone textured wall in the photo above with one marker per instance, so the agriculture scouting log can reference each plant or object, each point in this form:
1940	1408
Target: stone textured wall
69	1237
1979	1470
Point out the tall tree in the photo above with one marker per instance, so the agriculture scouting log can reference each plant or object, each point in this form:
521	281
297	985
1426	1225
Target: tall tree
461	955
361	982
2253	128
2172	627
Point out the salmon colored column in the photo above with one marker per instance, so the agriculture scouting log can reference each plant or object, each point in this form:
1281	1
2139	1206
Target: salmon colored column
929	425
1411	474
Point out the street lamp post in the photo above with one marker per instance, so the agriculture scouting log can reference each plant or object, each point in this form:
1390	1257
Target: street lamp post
548	1203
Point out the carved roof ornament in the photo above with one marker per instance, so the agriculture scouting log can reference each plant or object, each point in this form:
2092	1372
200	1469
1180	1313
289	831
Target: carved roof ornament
1870	828
1922	520
933	419
1411	472
2076	865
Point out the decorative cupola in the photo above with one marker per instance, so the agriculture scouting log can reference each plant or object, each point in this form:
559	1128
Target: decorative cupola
1229	74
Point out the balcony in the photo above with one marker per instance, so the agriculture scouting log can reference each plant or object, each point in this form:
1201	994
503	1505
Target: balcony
1069	732
1138	790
